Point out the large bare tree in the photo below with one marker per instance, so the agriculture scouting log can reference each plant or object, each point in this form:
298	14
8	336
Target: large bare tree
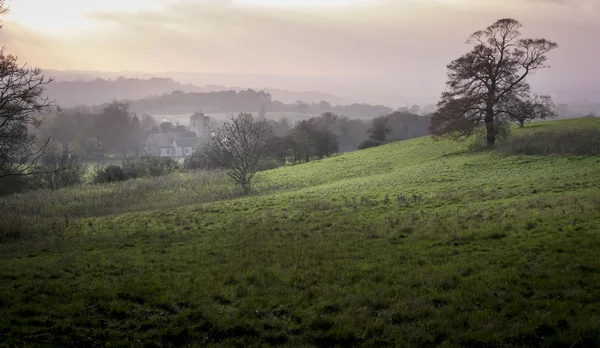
486	84
239	146
21	101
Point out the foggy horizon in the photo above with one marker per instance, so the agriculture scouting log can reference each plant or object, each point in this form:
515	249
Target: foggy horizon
398	47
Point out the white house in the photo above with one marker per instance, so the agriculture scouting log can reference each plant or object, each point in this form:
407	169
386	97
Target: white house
172	144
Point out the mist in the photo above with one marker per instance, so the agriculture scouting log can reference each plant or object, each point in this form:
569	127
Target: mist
377	51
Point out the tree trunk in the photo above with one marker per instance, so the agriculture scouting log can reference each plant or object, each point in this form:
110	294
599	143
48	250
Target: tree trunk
521	123
489	127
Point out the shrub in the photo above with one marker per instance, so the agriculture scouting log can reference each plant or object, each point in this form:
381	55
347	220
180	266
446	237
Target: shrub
584	142
12	184
149	166
479	141
111	173
370	143
58	171
200	160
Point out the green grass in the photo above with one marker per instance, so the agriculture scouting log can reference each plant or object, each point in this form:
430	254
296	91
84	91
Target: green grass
417	243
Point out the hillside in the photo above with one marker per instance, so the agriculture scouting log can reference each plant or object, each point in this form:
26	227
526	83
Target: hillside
70	90
416	243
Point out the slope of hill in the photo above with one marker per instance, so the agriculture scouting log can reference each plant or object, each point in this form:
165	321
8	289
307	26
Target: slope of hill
417	243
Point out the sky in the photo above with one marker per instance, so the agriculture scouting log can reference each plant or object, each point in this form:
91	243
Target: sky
401	46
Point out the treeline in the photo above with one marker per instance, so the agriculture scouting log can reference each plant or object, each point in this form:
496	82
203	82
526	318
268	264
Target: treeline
245	101
349	132
115	131
328	134
96	133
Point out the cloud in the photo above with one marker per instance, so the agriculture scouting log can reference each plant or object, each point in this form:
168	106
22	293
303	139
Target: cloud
404	45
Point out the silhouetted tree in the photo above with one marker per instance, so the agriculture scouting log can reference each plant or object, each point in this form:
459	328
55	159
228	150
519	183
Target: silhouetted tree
379	128
302	107
539	107
489	77
166	127
312	138
114	125
137	138
21	100
240	146
147	123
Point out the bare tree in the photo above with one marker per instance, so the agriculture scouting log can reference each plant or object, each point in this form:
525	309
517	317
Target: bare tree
21	102
539	107
492	75
239	146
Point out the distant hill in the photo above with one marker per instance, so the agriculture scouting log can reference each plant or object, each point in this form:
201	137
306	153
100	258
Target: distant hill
73	88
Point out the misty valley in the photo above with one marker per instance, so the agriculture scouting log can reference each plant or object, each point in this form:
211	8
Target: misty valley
440	193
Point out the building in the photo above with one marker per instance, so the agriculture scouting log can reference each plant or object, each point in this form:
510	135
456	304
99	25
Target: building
200	124
172	144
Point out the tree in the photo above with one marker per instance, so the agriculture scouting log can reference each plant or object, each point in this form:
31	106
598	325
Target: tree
166	127
262	114
114	124
539	107
379	128
483	82
21	102
240	146
312	138
302	107
137	139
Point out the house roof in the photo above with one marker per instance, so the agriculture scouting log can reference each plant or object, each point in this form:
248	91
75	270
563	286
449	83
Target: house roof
160	140
165	140
186	142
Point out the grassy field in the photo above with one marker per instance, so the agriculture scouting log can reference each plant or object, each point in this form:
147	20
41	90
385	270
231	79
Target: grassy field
419	243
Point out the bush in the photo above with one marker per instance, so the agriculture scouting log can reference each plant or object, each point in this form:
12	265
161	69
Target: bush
12	184
584	142
199	160
149	166
111	173
370	143
478	141
58	171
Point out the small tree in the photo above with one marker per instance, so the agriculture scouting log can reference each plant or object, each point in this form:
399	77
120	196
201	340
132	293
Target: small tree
540	107
239	146
487	79
379	128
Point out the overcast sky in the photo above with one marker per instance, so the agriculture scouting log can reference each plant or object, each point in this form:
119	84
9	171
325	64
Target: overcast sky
405	44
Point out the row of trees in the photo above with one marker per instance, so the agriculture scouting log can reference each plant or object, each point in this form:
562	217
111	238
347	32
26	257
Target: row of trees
246	100
245	145
110	131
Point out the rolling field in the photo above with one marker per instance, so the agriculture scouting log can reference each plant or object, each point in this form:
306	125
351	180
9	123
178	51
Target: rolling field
418	243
